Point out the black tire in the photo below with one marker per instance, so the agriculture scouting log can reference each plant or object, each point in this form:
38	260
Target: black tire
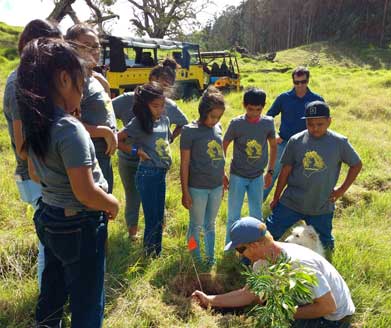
191	92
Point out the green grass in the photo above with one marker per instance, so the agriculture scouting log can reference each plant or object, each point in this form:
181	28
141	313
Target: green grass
145	293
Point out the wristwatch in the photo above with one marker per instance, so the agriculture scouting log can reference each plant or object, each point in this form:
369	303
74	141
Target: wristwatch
134	150
271	171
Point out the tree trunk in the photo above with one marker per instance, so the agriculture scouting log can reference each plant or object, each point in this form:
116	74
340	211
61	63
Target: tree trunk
62	9
289	28
384	22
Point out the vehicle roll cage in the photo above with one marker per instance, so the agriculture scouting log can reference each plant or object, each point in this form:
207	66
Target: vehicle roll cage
113	48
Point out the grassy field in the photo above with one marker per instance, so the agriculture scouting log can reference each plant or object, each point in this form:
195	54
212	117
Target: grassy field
144	293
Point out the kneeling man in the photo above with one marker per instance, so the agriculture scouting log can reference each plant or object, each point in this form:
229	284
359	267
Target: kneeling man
332	305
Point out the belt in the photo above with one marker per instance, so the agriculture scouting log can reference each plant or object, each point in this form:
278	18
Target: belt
68	211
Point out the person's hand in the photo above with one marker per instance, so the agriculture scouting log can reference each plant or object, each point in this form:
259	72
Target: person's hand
142	155
186	200
111	141
279	140
113	210
336	193
105	84
201	298
267	180
273	203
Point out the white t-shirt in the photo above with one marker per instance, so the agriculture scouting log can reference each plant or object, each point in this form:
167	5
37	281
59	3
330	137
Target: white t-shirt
329	280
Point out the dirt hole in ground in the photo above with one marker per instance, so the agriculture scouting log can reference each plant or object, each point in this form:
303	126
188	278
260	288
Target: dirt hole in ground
378	184
353	196
184	284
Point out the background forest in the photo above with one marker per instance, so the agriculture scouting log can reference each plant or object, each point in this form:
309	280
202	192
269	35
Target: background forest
272	25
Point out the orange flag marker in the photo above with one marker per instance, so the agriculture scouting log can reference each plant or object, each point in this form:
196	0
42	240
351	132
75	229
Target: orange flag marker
192	244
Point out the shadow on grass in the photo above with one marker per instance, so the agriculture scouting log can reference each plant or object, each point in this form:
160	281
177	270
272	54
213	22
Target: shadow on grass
180	277
125	261
357	54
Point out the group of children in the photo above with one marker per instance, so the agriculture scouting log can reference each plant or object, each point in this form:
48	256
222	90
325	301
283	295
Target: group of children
69	134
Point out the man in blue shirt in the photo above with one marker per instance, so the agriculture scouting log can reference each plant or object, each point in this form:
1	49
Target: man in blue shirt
291	105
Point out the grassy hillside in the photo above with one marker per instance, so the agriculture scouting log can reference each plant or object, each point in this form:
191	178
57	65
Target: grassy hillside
145	293
8	49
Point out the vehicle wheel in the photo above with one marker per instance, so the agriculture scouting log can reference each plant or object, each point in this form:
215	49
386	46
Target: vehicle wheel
191	92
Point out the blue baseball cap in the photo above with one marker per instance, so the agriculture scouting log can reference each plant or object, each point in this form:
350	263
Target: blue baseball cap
316	109
245	230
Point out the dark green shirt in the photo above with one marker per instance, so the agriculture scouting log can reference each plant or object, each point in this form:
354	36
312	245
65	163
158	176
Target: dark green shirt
316	164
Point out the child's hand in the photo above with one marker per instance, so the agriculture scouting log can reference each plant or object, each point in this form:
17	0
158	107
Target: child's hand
337	193
267	180
142	154
113	210
279	140
186	200
102	81
111	141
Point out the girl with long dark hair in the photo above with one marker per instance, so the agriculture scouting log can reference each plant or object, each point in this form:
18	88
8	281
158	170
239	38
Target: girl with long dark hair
149	134
164	74
202	171
71	220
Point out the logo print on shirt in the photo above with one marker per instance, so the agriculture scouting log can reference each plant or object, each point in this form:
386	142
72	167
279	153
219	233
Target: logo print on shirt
163	148
215	152
313	163
253	151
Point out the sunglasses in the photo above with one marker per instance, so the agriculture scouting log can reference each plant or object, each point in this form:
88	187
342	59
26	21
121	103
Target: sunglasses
297	82
241	249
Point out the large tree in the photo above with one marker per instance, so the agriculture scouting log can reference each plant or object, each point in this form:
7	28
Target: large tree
159	18
100	12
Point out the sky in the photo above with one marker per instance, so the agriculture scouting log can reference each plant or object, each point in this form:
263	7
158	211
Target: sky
20	12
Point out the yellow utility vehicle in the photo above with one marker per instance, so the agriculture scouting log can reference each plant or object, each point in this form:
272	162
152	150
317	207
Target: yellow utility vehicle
223	69
127	62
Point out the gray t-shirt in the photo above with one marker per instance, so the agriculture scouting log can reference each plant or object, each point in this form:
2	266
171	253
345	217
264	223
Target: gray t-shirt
329	279
11	113
250	154
316	166
97	109
123	108
70	147
206	155
156	144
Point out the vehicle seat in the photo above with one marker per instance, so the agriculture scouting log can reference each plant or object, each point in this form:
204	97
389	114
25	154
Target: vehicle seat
146	59
215	69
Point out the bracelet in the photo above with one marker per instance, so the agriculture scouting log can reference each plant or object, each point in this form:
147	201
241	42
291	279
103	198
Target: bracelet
134	150
271	171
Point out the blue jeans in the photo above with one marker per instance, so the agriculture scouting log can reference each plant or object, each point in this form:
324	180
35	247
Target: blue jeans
319	323
30	192
74	266
283	218
151	184
277	168
238	186
127	172
107	169
203	212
